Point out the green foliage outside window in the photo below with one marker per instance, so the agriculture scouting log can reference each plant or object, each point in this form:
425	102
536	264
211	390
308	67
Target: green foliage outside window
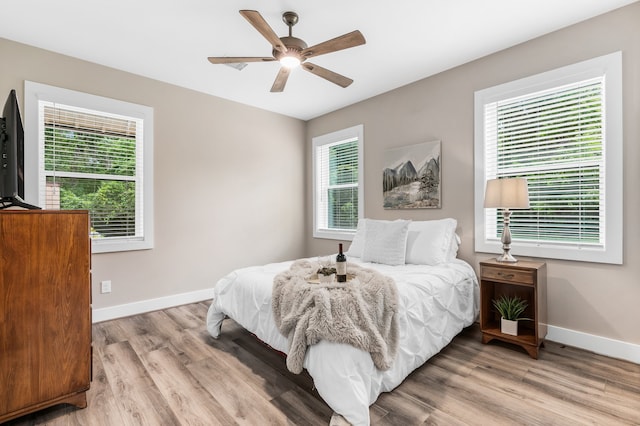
103	159
343	189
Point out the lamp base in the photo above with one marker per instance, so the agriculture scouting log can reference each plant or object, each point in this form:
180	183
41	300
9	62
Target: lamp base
506	258
506	240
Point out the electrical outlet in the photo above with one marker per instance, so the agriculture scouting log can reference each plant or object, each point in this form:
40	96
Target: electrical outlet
105	286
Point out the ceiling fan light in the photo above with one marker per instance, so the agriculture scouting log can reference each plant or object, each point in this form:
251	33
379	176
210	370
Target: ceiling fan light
289	61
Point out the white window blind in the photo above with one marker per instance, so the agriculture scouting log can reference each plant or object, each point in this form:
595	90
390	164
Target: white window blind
92	161
554	138
337	183
92	153
562	131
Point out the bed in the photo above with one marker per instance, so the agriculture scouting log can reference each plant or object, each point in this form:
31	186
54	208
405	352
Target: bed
437	297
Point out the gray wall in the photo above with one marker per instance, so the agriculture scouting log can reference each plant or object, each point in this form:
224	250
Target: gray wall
229	179
592	298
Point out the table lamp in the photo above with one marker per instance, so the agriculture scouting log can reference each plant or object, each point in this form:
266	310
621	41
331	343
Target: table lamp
506	193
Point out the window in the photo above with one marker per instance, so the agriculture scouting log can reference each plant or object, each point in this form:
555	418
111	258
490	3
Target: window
92	153
338	194
562	130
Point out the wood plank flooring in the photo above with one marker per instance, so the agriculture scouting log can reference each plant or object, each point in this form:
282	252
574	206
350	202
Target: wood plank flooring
162	368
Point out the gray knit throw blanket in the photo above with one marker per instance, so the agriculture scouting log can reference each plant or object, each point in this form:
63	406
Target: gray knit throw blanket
361	312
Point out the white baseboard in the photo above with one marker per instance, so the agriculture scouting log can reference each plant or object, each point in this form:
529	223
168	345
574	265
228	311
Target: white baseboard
600	345
120	311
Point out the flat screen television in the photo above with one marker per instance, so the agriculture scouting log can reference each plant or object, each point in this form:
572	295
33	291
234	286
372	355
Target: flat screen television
12	156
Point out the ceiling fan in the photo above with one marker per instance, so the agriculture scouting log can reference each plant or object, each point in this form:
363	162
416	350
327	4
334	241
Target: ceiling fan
292	52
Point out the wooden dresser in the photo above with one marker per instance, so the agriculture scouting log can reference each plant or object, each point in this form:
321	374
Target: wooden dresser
45	310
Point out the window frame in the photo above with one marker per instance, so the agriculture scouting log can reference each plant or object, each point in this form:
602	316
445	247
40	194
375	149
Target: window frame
344	135
35	93
610	67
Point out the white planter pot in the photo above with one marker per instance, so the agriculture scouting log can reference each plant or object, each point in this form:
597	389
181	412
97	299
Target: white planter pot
509	327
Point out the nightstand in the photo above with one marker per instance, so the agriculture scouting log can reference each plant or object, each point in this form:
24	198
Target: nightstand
527	280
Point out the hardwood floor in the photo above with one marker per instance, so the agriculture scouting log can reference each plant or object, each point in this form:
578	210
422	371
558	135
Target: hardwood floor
162	368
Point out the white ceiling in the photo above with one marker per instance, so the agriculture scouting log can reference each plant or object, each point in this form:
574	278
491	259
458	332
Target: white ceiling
170	40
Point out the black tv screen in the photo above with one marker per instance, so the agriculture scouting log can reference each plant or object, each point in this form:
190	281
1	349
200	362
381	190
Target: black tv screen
12	156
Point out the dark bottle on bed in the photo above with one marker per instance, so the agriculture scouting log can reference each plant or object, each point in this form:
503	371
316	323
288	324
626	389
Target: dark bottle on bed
341	266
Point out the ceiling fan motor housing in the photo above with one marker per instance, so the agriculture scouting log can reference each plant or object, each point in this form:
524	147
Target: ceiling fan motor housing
294	48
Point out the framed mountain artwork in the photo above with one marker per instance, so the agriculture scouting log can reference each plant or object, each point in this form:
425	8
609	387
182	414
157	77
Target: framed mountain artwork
411	177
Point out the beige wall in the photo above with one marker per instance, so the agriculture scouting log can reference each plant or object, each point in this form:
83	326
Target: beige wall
593	298
229	179
218	164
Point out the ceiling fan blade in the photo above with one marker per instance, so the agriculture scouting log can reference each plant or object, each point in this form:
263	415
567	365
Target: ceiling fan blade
281	79
263	28
331	76
352	39
238	59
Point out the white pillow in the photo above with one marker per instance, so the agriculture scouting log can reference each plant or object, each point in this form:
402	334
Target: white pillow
357	244
385	241
432	242
455	244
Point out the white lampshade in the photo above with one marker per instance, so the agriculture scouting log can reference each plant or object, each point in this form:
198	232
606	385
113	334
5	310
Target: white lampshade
507	193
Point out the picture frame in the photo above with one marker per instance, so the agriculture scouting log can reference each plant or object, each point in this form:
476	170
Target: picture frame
411	176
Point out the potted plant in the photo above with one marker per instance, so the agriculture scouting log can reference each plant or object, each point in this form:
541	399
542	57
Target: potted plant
510	308
326	274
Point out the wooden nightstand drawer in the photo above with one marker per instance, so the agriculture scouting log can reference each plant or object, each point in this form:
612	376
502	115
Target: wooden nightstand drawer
509	275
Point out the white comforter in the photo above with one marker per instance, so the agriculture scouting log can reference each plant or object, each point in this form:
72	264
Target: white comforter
435	304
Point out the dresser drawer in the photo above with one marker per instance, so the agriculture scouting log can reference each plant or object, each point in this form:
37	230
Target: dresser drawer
507	275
